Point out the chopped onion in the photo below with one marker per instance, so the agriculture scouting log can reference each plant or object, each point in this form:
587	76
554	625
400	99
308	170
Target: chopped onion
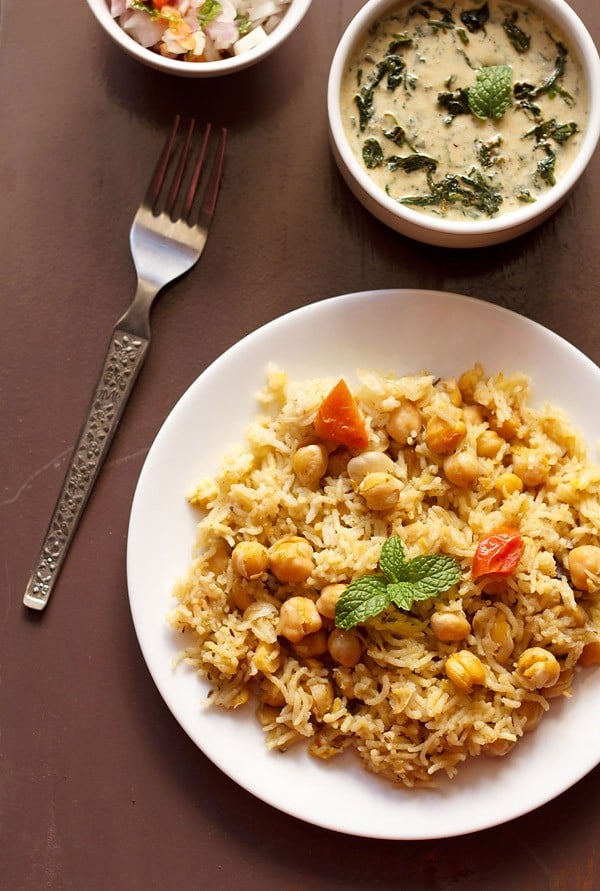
223	34
200	42
272	23
262	617
249	40
259	609
262	10
142	28
228	12
237	26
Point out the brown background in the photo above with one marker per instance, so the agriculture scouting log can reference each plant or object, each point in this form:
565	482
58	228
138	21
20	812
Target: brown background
99	787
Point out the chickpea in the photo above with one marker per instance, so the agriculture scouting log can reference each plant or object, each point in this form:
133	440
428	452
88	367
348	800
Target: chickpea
533	713
380	490
322	696
345	646
312	645
461	468
498	748
508	428
468	381
442	436
508	483
500	630
241	595
238	697
369	462
344	682
291	559
249	559
450	387
404	423
590	655
530	466
270	694
338	462
584	567
489	444
472	414
562	687
538	668
310	463
267	657
328	598
449	626
465	670
501	636
298	617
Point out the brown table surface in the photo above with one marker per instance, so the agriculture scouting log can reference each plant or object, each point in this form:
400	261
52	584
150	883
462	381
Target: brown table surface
99	787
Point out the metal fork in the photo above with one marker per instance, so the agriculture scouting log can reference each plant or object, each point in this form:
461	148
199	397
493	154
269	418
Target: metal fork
166	239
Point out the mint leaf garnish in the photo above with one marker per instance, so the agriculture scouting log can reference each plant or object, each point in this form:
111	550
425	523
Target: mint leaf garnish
392	559
489	97
363	598
402	582
431	574
401	594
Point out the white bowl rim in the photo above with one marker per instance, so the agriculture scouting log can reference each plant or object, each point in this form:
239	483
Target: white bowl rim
292	18
577	35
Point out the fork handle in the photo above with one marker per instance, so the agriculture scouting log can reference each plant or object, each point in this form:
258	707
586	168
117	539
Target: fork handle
123	361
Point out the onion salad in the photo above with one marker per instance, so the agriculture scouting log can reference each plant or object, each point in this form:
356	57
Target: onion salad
199	30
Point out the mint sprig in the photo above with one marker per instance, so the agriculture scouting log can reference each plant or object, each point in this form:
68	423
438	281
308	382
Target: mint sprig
402	582
489	97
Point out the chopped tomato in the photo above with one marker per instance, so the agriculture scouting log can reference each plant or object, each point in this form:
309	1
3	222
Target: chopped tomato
498	553
339	419
158	4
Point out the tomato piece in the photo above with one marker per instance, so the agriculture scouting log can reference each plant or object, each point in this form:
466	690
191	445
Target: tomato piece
339	419
158	4
498	553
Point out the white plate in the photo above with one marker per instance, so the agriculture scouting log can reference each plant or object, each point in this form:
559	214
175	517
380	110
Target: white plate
393	330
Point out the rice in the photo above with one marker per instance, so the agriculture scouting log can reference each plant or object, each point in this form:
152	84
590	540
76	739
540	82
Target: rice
397	707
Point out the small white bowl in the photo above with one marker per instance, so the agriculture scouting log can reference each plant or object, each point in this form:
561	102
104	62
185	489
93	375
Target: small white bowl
290	21
456	233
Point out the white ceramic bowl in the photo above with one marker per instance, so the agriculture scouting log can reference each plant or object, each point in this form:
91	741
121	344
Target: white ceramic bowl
452	233
292	18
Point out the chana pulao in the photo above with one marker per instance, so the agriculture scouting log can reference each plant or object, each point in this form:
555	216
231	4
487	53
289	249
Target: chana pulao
409	569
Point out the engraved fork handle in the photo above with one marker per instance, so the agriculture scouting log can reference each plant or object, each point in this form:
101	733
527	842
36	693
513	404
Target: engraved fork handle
123	361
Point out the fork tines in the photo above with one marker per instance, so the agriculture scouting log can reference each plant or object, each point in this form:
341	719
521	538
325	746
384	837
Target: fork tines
178	201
